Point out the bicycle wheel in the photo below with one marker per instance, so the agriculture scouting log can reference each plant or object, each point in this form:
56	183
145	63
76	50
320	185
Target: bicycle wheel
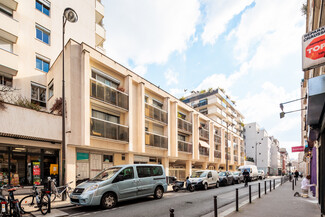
28	204
69	191
53	197
16	212
44	203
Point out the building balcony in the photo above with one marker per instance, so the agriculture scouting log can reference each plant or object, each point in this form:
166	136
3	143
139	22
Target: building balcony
204	134
217	154
204	151
9	28
185	146
236	158
156	140
12	4
155	113
100	9
184	126
8	62
109	130
108	94
200	104
217	139
100	34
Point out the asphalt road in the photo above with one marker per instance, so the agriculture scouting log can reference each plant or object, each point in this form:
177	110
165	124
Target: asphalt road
184	203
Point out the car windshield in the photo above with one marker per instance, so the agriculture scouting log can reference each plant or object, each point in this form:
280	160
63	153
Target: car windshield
106	174
236	173
199	174
260	171
222	174
248	169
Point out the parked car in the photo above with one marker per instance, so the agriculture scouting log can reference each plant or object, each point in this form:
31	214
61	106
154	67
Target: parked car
226	178
261	174
238	177
205	179
120	183
252	169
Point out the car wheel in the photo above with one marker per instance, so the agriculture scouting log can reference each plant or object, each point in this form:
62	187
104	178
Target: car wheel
108	201
206	186
217	185
191	188
238	181
233	182
159	193
175	188
225	182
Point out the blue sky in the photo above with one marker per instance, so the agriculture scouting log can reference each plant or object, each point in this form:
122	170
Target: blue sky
250	48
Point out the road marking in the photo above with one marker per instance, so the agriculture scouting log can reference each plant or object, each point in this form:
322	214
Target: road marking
77	214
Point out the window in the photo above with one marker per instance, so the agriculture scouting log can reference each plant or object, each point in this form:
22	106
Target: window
38	94
181	137
42	64
112	82
51	89
43	6
5	80
181	115
42	34
157	103
6	45
5	10
146	98
108	158
204	111
147	171
105	116
127	173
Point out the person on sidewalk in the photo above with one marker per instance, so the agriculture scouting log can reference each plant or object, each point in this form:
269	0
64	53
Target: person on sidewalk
246	177
296	175
305	185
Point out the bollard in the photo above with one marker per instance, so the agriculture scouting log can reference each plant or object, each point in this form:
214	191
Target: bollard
49	188
281	180
237	199
171	212
270	185
259	190
265	186
250	194
295	182
273	183
215	206
293	186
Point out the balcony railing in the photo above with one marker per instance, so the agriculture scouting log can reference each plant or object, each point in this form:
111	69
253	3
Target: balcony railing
236	158
217	139
217	154
156	113
185	146
200	104
204	133
184	125
108	129
204	151
156	140
108	94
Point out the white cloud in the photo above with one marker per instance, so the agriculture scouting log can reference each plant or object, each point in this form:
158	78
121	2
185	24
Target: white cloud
140	70
171	77
149	31
177	92
218	15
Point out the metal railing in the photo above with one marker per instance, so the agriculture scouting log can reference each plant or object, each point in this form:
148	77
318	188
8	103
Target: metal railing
184	125
108	129
236	158
217	154
156	113
108	94
156	140
204	151
185	146
217	139
204	133
200	104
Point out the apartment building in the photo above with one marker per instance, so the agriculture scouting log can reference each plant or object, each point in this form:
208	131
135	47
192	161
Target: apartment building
313	90
216	105
284	160
30	42
275	157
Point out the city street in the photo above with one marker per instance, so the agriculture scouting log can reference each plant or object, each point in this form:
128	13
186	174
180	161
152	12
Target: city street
184	203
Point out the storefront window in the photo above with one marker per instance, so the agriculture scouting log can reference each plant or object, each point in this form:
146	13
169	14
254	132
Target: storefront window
4	167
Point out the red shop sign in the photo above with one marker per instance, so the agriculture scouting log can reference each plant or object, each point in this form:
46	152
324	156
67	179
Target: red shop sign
298	149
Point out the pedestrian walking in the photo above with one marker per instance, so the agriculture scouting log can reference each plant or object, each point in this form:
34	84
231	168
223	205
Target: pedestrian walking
246	177
296	175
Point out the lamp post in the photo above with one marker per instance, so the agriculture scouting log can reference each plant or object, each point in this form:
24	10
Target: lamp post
71	16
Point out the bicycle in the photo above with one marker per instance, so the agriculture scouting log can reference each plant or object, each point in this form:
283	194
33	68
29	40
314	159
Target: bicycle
35	201
14	209
59	191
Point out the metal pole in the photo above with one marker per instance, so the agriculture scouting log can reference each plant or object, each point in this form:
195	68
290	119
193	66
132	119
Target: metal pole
215	206
171	212
293	186
227	149
256	154
259	190
250	194
270	185
63	113
237	199
273	183
295	182
49	189
265	186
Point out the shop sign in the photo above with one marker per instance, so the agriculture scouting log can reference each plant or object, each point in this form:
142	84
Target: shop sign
313	49
298	149
37	173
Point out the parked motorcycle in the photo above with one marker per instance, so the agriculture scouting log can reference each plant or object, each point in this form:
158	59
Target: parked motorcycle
179	185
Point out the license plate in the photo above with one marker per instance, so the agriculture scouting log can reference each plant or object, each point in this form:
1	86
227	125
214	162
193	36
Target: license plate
3	208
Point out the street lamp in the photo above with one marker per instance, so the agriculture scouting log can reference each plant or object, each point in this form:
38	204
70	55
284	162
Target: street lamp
68	15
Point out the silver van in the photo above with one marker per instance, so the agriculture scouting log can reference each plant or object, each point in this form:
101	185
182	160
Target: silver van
120	183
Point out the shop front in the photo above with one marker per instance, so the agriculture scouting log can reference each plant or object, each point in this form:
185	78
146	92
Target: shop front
24	166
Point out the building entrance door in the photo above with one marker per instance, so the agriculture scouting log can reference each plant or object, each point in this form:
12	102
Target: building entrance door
95	164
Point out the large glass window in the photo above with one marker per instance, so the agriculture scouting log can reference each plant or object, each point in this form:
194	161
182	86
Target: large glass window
42	64
105	116
38	94
5	10
106	80
43	6
51	89
6	45
5	80
43	34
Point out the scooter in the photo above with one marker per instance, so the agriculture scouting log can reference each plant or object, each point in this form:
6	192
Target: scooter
178	185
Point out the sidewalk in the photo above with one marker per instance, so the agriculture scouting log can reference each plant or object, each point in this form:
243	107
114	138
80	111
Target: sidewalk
280	202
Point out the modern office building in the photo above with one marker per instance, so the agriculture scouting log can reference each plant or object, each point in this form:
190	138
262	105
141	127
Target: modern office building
113	116
216	105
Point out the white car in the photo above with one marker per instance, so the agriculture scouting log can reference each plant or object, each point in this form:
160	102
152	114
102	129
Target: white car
205	179
261	174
